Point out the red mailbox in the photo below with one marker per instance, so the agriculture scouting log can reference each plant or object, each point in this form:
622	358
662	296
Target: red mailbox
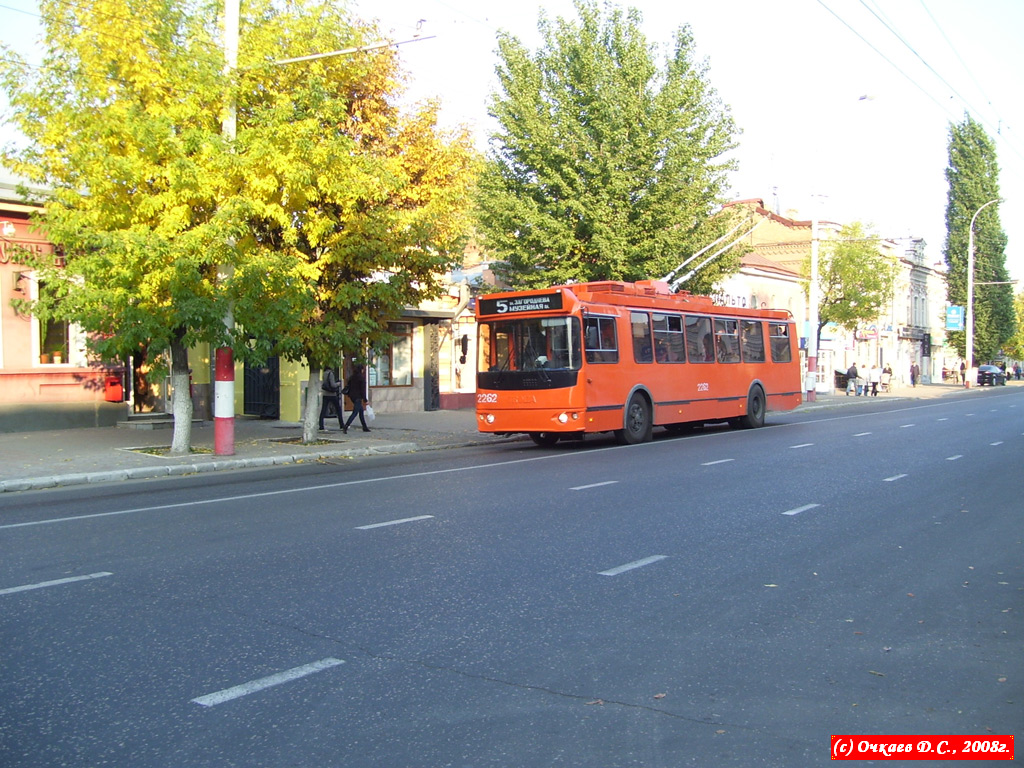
113	390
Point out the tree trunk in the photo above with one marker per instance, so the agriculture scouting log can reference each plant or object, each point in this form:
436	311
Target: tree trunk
311	420
181	402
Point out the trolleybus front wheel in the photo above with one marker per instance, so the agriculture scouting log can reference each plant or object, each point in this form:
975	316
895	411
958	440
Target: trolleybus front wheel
638	425
544	439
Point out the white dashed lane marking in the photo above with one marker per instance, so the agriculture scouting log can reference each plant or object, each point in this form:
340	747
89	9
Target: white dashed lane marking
393	522
54	583
632	566
593	485
253	686
798	510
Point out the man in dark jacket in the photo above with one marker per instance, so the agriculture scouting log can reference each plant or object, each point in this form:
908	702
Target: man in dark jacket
356	390
330	389
851	379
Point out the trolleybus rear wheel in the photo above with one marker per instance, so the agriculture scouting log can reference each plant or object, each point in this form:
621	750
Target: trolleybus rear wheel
756	408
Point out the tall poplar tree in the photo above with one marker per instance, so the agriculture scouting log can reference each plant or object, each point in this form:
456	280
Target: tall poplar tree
973	176
608	163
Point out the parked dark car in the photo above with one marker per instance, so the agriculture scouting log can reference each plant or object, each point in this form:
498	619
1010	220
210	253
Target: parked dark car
990	374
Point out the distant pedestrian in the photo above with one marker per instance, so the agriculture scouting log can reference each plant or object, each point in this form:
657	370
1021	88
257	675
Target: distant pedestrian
875	377
851	379
963	373
330	389
355	388
915	374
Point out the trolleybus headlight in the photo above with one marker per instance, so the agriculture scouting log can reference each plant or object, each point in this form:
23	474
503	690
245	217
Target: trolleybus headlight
563	418
489	418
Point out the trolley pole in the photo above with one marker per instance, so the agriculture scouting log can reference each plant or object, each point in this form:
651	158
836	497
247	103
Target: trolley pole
224	363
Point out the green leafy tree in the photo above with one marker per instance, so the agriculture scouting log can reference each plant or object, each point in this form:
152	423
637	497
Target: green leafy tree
354	208
122	122
608	164
855	279
973	176
1014	348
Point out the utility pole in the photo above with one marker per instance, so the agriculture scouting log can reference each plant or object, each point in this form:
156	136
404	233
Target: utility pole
224	359
812	311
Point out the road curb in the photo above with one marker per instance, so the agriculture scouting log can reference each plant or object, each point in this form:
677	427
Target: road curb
180	470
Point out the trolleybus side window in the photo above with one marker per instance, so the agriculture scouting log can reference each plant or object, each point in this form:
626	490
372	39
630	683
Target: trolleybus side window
601	344
669	342
641	332
781	351
727	340
699	346
753	341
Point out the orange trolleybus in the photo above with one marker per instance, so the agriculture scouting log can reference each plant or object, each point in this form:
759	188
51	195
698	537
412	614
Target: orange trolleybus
619	357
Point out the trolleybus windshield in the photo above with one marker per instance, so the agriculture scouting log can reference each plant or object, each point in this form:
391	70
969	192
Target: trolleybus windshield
533	353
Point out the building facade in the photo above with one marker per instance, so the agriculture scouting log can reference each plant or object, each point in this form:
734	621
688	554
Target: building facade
911	328
47	379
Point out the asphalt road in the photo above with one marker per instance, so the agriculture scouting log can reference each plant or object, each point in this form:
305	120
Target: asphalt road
730	598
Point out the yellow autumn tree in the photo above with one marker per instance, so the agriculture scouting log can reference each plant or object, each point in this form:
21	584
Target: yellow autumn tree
330	211
354	207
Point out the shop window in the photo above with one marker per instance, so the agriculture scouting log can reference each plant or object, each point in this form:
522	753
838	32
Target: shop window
392	366
57	342
54	341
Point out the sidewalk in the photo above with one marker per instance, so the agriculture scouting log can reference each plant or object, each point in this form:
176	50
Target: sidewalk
34	460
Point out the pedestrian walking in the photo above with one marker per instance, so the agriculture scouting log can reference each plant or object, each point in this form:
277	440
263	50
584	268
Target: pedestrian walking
963	373
851	379
355	388
915	373
330	389
875	377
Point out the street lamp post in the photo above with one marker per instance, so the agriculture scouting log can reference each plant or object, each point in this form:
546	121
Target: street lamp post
812	313
971	374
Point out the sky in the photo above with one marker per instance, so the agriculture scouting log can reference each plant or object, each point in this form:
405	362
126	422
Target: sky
843	104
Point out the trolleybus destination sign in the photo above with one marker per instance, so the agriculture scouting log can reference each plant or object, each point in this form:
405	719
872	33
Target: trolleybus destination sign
511	305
